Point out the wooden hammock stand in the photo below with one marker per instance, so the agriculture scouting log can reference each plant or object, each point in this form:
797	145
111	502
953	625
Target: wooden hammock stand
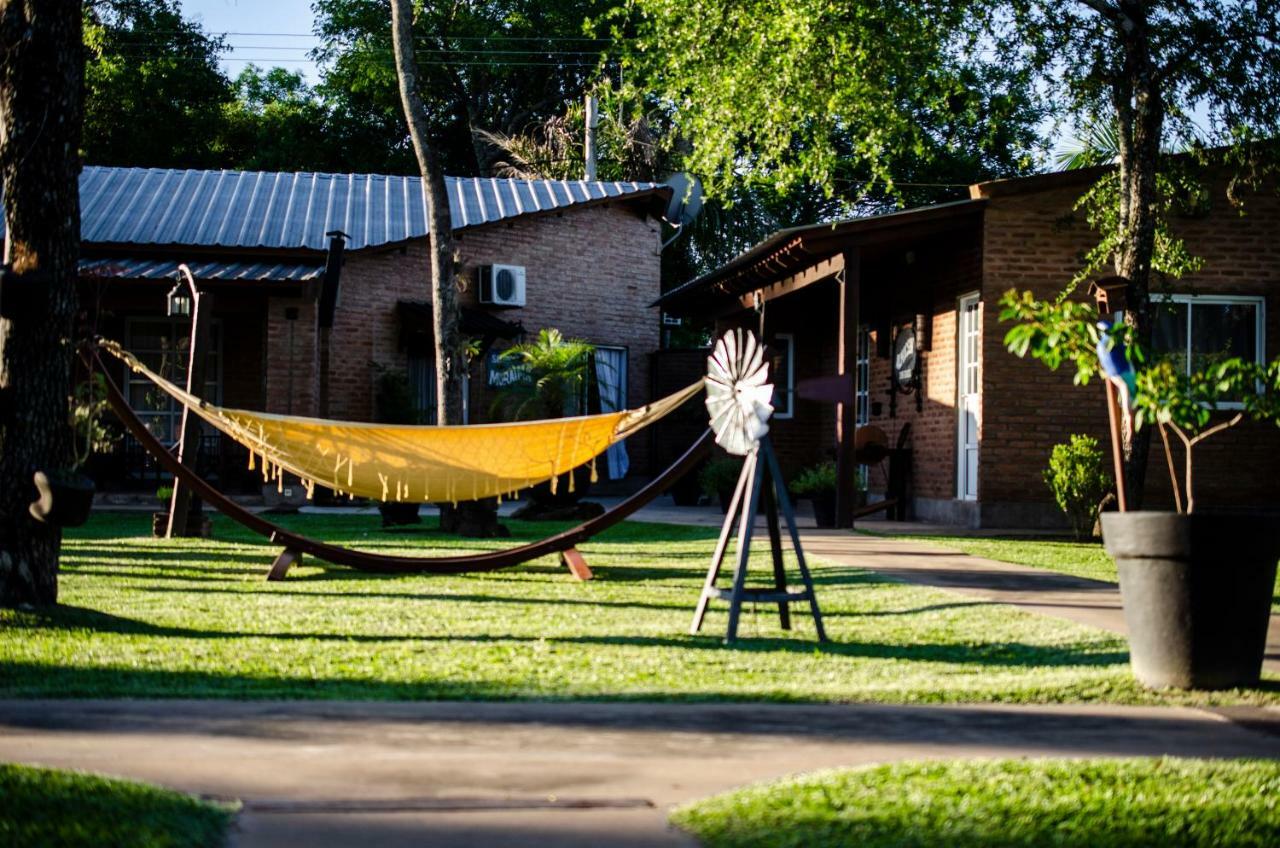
295	545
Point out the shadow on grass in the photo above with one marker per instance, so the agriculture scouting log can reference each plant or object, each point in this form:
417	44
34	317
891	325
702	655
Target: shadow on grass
996	654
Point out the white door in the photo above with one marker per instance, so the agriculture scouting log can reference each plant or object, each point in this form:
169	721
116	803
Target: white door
967	339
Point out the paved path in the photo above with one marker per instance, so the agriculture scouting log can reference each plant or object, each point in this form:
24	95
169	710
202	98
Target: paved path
558	774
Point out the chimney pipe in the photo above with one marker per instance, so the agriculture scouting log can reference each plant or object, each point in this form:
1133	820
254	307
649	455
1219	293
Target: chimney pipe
589	144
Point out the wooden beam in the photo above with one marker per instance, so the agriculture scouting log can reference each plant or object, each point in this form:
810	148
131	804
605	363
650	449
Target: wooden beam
793	283
847	366
573	559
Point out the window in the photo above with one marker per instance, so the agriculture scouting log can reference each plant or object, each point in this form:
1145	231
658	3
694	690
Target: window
611	380
163	345
782	372
1196	330
422	385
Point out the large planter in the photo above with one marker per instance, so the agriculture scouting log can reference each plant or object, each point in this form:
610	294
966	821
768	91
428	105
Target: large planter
65	498
824	508
1197	594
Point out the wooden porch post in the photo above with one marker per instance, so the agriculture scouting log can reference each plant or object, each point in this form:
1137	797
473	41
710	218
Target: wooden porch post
847	366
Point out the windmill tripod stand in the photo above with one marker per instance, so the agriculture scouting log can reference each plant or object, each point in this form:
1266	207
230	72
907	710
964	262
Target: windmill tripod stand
760	478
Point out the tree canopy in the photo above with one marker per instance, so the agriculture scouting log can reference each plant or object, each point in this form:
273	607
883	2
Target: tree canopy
154	94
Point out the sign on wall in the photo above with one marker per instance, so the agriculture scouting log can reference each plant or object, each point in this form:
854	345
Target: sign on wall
500	372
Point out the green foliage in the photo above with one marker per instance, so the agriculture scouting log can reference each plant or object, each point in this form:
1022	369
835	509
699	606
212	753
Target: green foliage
154	93
497	67
1053	332
851	97
555	377
164	495
720	474
1101	207
1077	476
47	807
92	434
1100	803
816	480
1167	394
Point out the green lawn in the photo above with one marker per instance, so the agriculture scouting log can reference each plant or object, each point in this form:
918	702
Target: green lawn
1079	559
967	804
47	807
142	617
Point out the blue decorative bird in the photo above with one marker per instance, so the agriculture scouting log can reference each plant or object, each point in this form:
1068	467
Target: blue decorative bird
1115	363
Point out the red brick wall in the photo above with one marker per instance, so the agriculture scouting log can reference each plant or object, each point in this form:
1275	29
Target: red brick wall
590	273
1035	241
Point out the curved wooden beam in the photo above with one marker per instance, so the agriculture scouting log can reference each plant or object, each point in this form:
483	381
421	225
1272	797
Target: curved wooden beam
391	563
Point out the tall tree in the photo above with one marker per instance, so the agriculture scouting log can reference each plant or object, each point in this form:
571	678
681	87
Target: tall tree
450	360
41	85
810	91
155	95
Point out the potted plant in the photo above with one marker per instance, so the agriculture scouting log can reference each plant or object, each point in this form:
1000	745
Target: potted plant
718	479
65	496
818	484
553	379
1196	584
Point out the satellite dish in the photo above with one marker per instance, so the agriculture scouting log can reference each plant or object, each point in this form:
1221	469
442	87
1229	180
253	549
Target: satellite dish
739	393
686	199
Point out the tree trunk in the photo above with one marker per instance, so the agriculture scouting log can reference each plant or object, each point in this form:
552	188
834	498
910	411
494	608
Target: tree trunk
41	87
444	290
1139	104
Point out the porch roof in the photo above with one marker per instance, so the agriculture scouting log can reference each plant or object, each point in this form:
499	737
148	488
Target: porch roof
131	268
794	250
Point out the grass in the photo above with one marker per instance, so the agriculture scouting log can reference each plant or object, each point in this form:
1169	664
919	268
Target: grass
141	617
1084	803
1079	559
46	807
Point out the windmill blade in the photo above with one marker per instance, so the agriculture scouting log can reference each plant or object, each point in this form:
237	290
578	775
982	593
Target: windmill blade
739	394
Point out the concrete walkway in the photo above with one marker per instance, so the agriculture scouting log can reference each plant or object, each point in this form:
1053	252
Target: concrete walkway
549	774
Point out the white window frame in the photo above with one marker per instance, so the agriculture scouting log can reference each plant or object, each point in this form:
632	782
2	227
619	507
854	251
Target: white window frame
962	462
1260	324
789	341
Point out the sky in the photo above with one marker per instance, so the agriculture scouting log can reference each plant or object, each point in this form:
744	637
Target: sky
264	32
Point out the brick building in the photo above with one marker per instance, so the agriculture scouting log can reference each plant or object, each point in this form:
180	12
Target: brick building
319	282
858	298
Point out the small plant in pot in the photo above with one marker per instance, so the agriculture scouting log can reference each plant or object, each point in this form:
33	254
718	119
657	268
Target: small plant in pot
818	484
66	495
718	479
1196	584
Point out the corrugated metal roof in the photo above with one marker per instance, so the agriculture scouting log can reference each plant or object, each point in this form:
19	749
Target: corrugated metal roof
150	269
250	209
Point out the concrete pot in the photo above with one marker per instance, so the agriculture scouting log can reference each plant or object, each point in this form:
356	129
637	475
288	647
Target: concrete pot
1197	594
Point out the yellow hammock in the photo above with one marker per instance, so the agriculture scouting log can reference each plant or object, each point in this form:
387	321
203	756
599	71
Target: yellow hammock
415	463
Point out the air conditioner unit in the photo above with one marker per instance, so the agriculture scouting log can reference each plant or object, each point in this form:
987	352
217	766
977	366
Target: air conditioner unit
502	285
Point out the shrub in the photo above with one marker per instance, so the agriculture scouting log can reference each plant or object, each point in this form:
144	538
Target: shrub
1078	478
815	480
719	474
164	494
